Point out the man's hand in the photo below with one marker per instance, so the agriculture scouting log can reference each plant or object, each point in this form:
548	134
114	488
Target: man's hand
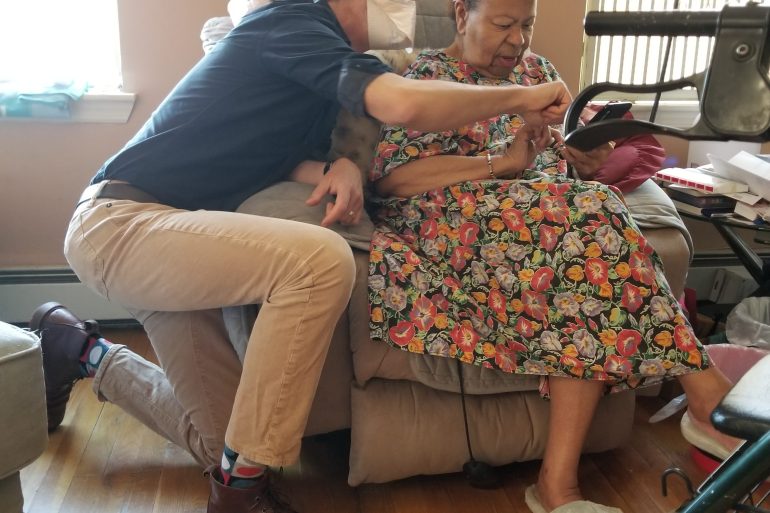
546	104
344	182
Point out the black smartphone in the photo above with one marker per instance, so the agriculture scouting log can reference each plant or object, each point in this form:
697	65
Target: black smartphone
611	110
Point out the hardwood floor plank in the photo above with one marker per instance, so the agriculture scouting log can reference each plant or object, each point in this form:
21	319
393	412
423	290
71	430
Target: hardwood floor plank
596	486
663	446
516	479
376	498
319	481
96	494
73	440
140	499
625	465
466	499
425	495
33	475
181	489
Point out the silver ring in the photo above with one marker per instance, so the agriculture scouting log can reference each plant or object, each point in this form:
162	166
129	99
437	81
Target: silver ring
351	212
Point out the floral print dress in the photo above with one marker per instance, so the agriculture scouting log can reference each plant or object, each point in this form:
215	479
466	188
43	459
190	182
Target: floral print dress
544	275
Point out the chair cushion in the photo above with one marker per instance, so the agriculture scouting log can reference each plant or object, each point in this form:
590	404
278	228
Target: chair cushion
402	428
286	200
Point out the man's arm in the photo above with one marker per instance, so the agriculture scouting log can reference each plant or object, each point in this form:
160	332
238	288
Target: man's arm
431	105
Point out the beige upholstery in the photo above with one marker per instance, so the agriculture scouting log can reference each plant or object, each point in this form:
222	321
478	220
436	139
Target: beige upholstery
23	424
404	410
402	428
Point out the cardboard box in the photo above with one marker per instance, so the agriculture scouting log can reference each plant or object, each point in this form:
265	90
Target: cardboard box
730	287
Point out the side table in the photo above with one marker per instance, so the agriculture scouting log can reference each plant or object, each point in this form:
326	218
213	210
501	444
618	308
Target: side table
758	268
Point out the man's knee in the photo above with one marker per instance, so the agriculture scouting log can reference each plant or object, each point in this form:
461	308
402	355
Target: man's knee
333	260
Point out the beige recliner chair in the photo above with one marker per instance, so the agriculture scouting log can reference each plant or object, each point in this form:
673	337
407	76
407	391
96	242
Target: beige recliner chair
404	410
23	423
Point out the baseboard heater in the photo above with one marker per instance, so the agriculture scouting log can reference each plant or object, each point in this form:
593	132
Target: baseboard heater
23	290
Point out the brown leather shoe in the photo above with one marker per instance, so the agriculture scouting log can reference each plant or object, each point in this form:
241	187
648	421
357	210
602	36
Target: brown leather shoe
62	339
261	498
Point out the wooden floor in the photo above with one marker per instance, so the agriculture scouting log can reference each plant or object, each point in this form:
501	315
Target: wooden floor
103	461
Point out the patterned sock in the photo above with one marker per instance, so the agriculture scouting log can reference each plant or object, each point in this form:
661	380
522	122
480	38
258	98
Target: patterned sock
92	356
239	472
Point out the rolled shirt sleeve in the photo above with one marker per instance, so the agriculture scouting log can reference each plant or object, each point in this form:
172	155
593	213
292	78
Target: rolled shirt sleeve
357	73
317	56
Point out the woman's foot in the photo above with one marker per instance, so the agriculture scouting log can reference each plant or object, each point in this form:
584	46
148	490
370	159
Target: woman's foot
551	497
705	389
536	504
703	435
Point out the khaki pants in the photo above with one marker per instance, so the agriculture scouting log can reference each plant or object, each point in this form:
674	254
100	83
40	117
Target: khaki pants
174	270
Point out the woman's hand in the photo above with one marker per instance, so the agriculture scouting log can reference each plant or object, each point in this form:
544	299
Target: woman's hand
528	142
587	163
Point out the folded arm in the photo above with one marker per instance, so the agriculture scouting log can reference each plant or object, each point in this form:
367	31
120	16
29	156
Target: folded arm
425	174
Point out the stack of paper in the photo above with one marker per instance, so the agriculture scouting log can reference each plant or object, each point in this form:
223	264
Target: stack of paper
754	171
758	212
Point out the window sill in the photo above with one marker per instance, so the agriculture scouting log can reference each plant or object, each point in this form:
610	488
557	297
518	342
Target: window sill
673	113
91	108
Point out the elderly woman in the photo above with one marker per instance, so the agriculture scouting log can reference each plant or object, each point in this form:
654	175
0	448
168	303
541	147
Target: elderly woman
486	252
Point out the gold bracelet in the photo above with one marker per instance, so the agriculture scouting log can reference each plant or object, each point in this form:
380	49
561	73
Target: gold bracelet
489	167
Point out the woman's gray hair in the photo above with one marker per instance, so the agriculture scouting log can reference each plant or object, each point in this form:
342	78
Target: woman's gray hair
469	6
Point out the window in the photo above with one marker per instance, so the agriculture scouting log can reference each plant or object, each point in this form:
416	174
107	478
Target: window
55	41
71	46
638	60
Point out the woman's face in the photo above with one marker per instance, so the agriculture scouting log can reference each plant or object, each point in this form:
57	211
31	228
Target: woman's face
494	34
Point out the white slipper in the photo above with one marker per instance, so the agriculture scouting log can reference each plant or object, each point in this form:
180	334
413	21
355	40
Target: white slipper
534	505
694	434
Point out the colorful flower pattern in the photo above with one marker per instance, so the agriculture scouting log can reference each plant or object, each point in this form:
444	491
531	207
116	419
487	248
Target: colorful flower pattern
543	275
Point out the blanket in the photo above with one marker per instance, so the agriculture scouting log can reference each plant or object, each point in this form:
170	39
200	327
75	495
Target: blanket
651	208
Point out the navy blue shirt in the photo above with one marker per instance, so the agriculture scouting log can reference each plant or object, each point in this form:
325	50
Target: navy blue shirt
262	101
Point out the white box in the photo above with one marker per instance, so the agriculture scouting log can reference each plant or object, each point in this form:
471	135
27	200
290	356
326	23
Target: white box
753	171
736	286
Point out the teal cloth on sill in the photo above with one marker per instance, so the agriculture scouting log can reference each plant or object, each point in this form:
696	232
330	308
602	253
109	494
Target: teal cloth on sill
39	101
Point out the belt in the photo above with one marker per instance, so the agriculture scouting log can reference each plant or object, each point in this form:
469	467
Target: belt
116	191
